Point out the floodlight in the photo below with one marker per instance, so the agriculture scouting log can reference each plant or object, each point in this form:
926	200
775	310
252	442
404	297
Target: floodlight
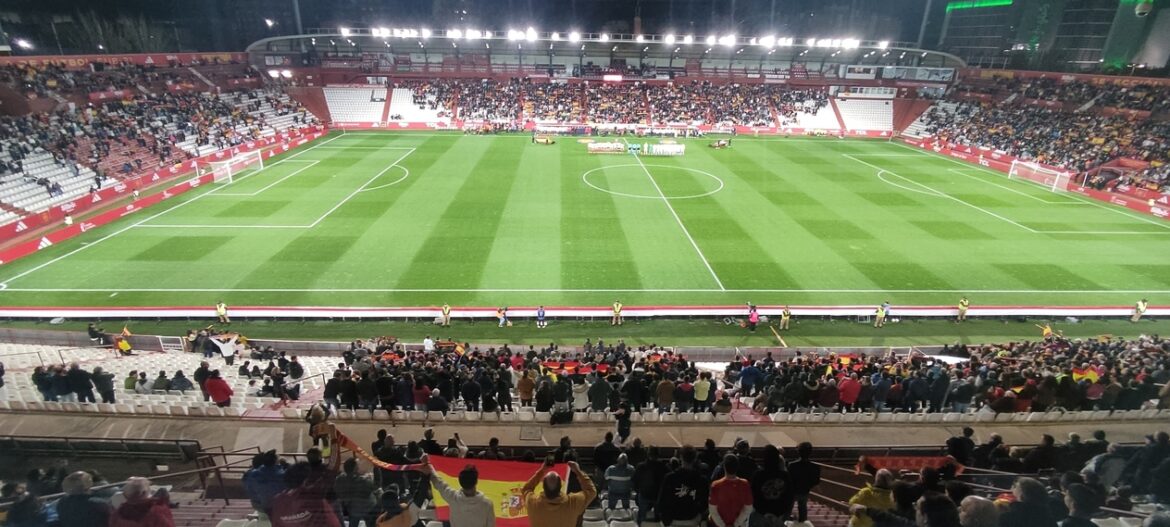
515	35
768	41
574	37
23	44
851	43
473	34
269	22
810	42
345	32
426	33
286	74
604	37
669	39
883	44
455	33
711	40
273	73
727	40
530	35
639	39
555	36
689	39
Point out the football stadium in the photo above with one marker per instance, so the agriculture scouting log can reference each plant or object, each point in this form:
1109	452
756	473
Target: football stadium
604	263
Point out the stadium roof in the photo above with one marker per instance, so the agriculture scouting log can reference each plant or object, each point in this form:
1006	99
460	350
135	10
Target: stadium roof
530	42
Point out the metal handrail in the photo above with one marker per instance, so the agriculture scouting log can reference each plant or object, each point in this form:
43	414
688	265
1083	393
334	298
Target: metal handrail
200	471
981	486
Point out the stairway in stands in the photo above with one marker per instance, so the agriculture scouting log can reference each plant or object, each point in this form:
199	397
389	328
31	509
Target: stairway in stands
208	513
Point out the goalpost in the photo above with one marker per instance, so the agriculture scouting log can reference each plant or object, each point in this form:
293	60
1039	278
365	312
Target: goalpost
1055	180
224	171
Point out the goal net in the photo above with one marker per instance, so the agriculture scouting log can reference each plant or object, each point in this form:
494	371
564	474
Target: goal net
225	171
1054	180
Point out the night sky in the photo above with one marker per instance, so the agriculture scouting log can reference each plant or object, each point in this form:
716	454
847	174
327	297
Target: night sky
232	24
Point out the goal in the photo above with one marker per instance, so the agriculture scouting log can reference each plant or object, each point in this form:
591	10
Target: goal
1054	180
224	171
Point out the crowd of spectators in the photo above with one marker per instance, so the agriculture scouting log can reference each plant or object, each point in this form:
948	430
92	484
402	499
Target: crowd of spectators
680	102
790	103
489	100
1073	94
615	103
84	498
430	94
1039	376
1066	485
1076	141
558	102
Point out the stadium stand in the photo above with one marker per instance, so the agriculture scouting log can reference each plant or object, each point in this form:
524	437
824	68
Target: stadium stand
866	114
358	105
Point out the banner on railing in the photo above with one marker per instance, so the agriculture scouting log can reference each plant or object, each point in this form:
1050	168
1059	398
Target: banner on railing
80	62
895	464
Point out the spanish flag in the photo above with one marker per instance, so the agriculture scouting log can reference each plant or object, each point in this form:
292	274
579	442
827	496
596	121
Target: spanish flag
1080	374
502	482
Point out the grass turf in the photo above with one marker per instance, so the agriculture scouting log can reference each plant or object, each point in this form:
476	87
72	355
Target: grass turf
496	220
699	331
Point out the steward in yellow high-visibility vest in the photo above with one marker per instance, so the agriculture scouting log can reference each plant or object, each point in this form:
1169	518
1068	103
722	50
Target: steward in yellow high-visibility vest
963	305
446	315
617	313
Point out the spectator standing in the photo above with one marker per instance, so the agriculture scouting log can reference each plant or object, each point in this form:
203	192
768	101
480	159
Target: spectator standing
468	506
103	382
605	454
140	508
683	496
79	507
263	482
962	448
647	481
80	383
730	497
805	477
551	508
355	491
618	481
202	373
303	503
218	390
771	490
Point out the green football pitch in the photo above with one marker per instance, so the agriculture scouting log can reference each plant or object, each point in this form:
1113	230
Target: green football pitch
401	219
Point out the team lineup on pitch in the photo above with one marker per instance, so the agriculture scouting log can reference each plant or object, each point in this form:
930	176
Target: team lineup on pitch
421	219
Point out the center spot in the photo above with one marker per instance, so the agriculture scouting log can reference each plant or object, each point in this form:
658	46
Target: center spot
631	181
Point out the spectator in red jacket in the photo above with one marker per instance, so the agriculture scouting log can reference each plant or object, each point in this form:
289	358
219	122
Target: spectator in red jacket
848	391
141	509
218	389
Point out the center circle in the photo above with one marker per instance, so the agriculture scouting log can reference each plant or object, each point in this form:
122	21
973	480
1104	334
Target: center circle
645	167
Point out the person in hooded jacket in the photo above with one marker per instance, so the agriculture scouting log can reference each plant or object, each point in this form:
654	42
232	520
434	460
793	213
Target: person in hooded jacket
771	490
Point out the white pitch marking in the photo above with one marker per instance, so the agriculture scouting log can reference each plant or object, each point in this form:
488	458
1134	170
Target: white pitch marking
945	195
679	220
1090	201
311	163
585	178
406	174
131	226
1009	189
359	189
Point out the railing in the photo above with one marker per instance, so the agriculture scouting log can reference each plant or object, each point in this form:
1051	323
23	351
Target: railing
100	447
202	472
991	489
